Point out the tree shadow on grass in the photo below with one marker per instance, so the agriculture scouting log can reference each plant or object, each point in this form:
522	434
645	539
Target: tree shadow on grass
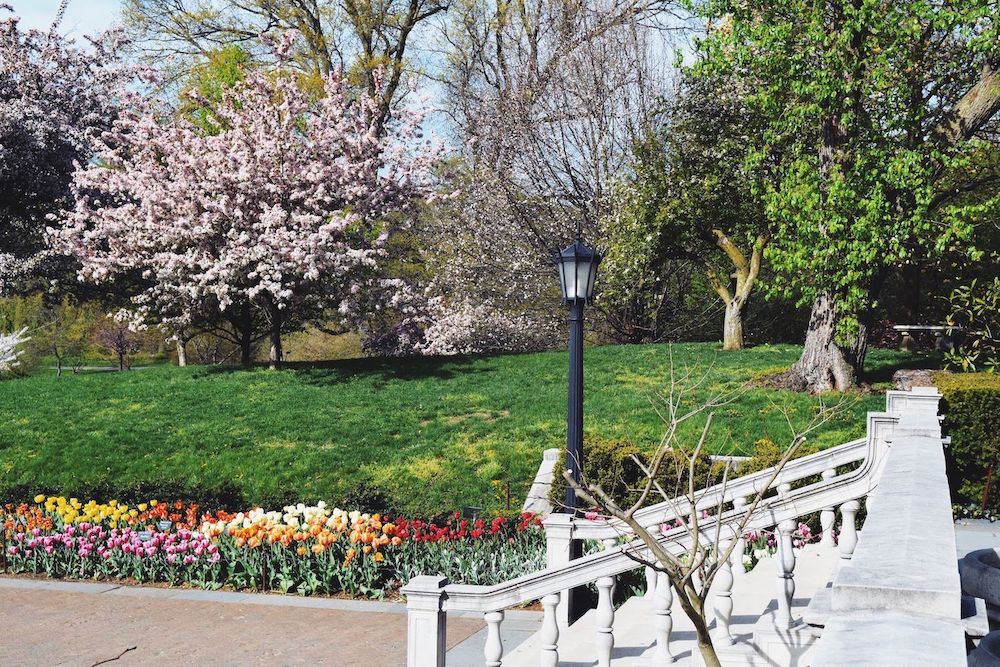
882	370
380	370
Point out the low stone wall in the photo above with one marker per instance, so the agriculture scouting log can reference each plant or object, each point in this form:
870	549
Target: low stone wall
898	600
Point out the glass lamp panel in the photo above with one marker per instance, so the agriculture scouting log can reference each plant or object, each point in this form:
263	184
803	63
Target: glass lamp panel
591	279
562	278
583	278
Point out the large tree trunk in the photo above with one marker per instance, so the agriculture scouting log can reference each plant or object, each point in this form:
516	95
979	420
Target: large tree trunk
182	359
244	328
277	354
823	366
732	328
246	351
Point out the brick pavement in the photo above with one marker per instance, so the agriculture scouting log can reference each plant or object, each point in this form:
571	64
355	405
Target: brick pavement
62	623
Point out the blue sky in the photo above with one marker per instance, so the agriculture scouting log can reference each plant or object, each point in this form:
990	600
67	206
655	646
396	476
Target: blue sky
84	17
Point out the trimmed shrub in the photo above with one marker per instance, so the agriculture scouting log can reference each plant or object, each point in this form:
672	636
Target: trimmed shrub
972	419
609	463
766	453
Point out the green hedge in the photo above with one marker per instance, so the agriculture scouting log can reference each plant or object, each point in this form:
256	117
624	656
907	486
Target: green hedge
972	419
609	462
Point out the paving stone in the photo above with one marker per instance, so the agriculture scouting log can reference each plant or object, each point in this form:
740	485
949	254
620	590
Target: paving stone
56	625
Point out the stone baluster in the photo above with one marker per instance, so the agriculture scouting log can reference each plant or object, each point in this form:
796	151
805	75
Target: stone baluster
741	541
610	543
722	587
828	516
650	583
549	634
494	646
663	622
848	531
786	573
605	640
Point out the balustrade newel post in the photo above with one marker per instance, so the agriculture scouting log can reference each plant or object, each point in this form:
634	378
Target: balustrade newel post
426	621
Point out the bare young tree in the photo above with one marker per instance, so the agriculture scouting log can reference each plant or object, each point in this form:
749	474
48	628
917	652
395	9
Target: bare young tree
702	547
366	38
546	100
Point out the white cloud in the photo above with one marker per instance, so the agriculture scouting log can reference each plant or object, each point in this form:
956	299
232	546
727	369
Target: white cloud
83	17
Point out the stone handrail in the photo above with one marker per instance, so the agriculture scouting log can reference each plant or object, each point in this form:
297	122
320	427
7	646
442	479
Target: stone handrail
611	562
429	598
749	485
879	425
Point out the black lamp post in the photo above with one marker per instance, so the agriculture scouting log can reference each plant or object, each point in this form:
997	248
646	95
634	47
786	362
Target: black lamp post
577	266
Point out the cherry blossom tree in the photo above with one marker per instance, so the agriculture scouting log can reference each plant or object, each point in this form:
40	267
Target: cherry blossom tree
55	100
285	212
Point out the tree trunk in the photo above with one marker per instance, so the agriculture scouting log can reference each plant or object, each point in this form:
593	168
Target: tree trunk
704	640
246	351
277	354
823	365
244	327
121	361
182	359
732	328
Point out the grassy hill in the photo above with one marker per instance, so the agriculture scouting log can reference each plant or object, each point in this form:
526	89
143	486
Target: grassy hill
430	434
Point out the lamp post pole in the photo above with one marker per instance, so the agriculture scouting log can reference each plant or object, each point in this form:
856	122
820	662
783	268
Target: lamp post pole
577	273
574	413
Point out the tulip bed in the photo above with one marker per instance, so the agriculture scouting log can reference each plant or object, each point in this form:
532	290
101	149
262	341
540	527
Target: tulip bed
306	550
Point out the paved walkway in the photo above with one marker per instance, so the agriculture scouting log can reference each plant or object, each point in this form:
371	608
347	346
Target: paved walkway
82	624
973	534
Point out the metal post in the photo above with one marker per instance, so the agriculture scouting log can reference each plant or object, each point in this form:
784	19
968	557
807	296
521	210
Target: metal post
574	418
576	599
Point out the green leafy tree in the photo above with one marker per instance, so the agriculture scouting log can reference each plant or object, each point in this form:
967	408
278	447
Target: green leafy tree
691	199
867	104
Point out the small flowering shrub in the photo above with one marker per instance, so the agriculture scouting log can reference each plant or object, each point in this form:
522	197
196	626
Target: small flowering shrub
306	550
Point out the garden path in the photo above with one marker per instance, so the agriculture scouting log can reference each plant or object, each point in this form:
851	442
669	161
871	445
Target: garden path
83	624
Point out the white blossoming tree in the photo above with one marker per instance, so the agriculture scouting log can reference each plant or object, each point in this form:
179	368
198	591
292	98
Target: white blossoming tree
9	349
282	213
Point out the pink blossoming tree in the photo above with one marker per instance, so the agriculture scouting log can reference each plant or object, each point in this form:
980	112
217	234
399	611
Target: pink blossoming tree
56	98
285	212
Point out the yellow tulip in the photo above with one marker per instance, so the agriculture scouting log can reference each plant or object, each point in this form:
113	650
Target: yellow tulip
142	507
40	498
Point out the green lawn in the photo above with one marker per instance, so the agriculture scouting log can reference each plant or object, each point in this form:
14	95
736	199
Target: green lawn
433	434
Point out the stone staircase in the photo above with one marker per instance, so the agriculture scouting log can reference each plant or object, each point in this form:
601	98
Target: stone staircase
753	598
